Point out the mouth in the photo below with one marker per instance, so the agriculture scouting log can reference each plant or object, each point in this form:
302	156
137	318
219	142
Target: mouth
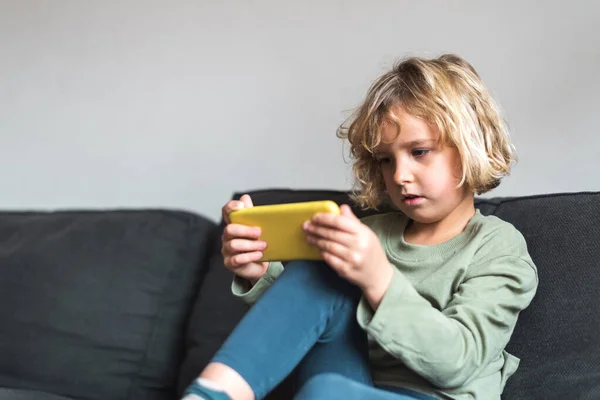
411	199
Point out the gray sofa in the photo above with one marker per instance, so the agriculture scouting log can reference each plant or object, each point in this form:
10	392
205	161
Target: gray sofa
131	304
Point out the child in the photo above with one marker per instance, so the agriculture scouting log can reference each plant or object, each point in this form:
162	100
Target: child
416	304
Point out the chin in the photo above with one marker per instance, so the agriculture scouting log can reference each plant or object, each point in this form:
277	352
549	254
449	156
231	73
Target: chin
423	219
420	216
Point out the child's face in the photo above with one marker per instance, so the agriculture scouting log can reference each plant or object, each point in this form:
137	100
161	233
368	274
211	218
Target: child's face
420	175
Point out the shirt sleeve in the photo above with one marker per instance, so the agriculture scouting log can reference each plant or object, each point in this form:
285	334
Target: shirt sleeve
450	346
249	294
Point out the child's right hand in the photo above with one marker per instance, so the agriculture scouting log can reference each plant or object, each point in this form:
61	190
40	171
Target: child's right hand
241	248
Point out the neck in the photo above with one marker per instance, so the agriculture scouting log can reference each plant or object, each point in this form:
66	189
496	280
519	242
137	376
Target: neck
445	229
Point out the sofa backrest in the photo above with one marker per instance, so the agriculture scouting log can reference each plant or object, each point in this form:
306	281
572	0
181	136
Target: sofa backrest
93	304
556	337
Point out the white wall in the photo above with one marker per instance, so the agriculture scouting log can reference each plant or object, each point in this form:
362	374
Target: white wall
180	103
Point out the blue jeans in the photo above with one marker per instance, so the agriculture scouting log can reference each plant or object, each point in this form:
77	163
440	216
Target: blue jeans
306	320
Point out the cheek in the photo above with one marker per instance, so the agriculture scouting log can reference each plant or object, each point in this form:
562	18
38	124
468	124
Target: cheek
387	182
441	179
456	166
387	176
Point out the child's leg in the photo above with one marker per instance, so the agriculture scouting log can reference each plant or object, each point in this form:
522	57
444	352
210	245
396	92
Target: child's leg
308	309
332	386
347	355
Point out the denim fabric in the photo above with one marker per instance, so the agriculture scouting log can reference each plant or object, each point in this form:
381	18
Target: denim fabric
305	320
332	386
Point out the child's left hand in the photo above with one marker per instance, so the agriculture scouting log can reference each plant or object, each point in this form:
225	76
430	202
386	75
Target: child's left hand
353	250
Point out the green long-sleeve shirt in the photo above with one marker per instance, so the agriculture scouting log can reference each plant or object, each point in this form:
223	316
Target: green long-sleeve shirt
449	312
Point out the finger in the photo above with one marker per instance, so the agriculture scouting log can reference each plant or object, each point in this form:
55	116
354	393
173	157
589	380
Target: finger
240	260
329	246
339	222
325	232
237	246
340	266
238	231
229	207
347	212
247	200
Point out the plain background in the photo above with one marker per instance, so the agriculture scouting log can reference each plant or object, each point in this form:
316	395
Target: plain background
140	103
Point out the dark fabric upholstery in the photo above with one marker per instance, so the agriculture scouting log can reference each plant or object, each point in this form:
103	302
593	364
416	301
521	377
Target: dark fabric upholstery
556	337
13	394
93	304
215	314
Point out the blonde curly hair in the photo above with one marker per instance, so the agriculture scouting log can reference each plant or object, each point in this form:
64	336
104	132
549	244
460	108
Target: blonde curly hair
444	91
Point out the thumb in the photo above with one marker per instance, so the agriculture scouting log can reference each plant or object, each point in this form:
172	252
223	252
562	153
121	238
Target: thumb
247	201
347	212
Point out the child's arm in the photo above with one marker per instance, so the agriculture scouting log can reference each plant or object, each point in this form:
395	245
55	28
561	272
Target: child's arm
451	346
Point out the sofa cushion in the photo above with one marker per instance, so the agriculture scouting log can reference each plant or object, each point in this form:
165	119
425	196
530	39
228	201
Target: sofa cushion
15	394
557	336
215	313
93	304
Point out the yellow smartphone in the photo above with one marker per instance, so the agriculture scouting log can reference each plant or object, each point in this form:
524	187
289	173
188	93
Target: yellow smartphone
281	226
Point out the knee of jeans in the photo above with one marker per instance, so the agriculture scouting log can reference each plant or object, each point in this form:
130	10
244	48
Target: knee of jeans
324	386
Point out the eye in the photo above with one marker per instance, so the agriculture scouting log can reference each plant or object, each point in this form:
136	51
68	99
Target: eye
420	152
383	160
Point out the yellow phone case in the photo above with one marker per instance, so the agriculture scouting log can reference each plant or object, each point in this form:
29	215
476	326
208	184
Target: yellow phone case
281	226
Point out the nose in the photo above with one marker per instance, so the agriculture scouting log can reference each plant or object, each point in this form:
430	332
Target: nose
403	173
